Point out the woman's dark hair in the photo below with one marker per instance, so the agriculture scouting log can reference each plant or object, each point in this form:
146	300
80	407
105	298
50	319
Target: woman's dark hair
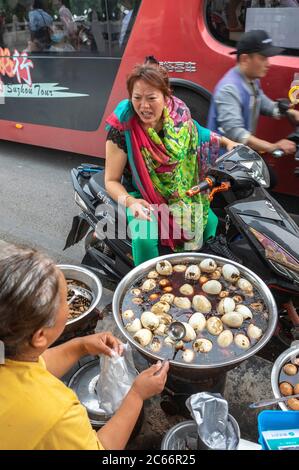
150	59
29	296
152	74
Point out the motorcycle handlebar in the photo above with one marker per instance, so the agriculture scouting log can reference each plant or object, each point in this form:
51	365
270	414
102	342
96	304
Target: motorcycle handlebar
283	106
278	153
207	183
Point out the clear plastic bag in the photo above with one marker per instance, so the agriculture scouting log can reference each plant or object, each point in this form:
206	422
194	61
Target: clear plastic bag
214	424
117	374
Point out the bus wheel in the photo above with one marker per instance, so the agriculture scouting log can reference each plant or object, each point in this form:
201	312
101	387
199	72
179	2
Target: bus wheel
198	104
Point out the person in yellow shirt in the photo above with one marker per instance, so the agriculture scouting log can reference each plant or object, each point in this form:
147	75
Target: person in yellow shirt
37	411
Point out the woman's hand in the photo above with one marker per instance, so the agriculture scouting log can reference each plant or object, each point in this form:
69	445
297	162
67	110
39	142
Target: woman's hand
102	343
230	145
140	208
151	381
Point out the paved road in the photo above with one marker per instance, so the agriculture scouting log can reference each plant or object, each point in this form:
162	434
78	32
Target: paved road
36	197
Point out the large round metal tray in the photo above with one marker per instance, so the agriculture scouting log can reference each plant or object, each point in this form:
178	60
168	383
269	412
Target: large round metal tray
144	268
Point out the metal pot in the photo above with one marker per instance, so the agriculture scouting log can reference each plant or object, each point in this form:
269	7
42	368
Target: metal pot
191	371
78	273
189	429
284	358
83	382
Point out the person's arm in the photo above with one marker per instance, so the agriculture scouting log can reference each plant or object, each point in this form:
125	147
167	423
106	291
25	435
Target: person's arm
260	145
60	359
279	109
231	123
287	146
116	433
229	114
227	143
116	160
268	106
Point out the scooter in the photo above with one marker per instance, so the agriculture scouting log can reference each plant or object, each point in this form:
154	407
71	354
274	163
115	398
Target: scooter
256	230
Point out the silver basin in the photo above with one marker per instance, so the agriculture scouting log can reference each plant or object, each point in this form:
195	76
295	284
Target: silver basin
193	371
83	382
78	273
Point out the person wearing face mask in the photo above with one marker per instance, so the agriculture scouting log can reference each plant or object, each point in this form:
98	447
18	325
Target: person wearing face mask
153	135
60	42
238	98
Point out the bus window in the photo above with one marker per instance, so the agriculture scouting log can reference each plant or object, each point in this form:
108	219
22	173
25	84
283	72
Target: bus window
14	25
90	27
121	16
129	12
34	26
61	54
228	19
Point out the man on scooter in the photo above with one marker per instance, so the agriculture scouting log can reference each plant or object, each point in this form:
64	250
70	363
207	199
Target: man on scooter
238	98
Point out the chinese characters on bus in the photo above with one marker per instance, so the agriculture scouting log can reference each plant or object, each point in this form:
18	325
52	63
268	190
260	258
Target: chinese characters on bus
16	65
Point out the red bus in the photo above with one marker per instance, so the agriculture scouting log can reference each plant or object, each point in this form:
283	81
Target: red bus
64	64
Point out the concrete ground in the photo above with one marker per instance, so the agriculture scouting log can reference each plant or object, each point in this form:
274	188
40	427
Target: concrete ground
37	198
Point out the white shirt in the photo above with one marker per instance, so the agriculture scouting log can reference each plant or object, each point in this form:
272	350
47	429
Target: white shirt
124	26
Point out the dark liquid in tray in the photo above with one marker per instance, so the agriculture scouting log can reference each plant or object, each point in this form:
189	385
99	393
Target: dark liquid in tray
217	354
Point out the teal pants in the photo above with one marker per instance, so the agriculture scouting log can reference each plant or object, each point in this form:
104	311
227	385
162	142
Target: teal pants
145	234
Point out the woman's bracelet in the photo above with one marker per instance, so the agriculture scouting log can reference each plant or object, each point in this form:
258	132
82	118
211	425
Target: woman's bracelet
123	199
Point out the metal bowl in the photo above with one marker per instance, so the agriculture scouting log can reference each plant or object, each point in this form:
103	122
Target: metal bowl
83	382
283	359
78	273
189	429
193	371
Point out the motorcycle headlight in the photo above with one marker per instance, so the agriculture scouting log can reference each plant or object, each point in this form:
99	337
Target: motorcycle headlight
79	201
285	264
243	163
258	170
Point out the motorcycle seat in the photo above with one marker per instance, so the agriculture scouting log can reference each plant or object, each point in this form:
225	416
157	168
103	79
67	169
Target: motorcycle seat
96	185
97	181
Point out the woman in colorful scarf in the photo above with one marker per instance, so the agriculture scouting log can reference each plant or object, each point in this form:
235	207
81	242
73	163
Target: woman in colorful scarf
167	153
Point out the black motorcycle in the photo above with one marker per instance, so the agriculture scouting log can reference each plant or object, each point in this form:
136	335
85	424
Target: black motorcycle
255	229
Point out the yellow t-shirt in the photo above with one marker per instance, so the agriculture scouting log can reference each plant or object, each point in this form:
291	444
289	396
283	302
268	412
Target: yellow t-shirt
37	411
